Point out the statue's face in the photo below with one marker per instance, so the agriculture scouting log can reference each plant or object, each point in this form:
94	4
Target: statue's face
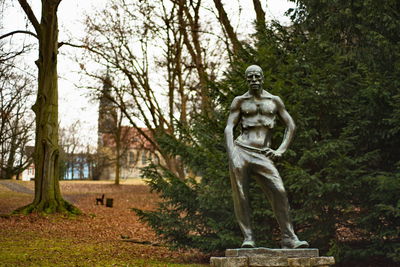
254	79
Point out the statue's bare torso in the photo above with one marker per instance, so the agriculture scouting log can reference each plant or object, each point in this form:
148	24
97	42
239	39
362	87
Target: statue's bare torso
257	118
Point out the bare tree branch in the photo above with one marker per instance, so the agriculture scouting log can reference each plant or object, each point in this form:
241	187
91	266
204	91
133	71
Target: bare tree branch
8	56
15	124
72	45
119	38
31	16
19	31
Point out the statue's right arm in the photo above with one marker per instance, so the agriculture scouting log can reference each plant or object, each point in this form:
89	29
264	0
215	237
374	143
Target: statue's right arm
233	120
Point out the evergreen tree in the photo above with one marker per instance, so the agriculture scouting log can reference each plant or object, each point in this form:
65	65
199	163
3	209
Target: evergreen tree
337	70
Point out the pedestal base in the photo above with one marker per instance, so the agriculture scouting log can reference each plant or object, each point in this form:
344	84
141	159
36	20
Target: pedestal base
265	257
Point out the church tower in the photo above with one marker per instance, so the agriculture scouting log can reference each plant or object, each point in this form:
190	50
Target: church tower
107	124
107	121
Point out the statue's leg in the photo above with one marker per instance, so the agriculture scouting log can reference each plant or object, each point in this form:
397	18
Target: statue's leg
271	183
240	193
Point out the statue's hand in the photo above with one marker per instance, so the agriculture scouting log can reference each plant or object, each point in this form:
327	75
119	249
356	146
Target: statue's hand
274	154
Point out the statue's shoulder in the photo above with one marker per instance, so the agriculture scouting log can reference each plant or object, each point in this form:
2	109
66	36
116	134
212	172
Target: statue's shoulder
275	98
268	95
244	96
238	100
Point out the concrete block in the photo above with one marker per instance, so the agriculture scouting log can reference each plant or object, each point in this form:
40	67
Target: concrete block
322	261
229	262
265	257
299	262
288	253
268	261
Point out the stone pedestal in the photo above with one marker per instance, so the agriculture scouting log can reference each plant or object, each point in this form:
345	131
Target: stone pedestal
265	257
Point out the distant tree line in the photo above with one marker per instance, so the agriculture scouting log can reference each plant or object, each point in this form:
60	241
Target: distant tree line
16	120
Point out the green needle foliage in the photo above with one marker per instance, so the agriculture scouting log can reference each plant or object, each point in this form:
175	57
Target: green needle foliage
337	68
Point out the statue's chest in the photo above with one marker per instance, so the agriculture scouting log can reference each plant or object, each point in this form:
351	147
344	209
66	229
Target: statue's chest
254	107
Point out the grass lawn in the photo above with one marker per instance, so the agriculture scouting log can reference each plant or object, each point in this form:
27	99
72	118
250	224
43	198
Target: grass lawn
101	237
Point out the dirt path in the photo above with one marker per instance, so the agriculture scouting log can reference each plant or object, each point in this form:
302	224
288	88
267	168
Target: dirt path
16	187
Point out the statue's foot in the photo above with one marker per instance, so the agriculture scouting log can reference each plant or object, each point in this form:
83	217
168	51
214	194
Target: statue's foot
248	244
294	243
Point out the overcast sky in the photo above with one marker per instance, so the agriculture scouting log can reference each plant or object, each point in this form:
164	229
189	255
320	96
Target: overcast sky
73	102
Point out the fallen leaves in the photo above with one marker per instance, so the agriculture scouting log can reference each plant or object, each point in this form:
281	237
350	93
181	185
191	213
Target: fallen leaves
100	232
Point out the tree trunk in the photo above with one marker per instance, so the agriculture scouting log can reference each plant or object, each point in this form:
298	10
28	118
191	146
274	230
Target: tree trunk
195	50
175	166
226	24
260	16
48	197
118	161
9	172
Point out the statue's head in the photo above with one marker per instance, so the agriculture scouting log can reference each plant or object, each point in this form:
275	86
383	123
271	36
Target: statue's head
255	77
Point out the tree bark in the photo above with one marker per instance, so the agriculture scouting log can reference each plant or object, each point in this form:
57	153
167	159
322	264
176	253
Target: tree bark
48	197
224	19
118	157
260	14
195	50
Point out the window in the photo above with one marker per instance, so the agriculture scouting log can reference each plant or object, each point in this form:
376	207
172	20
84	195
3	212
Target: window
131	158
144	157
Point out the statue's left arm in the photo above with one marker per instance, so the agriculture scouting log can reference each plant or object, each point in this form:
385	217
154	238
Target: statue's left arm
289	131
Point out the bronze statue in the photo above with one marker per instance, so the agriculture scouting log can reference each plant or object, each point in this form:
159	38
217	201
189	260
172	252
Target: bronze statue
250	155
